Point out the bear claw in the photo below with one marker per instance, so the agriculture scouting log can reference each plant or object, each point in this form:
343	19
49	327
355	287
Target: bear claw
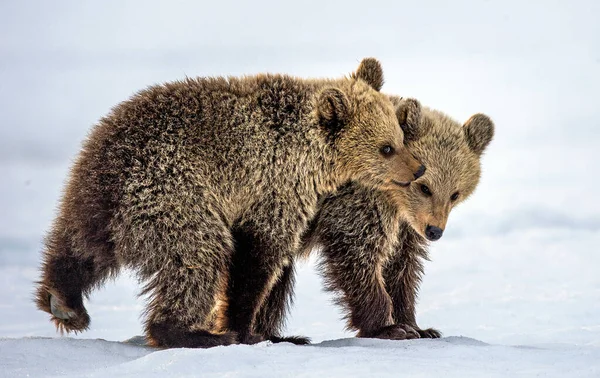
429	333
55	308
392	332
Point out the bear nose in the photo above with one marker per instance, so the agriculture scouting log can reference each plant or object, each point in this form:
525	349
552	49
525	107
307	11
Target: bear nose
420	172
433	233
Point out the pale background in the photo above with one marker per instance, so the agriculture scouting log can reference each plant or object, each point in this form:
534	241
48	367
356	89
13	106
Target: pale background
519	261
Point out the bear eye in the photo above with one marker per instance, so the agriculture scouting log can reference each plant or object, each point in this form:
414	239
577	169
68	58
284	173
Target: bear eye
454	197
387	150
425	190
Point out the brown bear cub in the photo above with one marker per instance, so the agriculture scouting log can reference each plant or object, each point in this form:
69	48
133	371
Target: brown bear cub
181	175
373	242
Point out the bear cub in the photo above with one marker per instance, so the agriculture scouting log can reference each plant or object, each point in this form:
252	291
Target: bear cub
373	242
204	187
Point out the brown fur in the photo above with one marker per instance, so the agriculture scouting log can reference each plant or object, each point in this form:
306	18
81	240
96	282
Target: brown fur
176	178
373	242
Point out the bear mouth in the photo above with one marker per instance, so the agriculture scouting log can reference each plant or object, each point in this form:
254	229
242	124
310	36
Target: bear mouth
401	184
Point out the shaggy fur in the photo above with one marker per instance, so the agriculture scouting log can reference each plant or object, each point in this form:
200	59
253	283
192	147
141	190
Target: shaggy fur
177	178
373	242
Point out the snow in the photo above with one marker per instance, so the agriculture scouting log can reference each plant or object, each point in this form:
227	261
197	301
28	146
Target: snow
452	356
513	284
500	318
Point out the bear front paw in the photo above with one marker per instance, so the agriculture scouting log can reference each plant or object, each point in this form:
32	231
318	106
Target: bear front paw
392	332
429	333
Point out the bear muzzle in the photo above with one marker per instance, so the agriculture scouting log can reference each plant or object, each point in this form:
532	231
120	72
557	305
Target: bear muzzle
420	172
433	233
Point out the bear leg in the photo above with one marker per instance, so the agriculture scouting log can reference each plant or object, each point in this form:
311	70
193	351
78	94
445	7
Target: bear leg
68	275
402	275
271	316
252	274
354	246
186	270
352	270
263	247
182	299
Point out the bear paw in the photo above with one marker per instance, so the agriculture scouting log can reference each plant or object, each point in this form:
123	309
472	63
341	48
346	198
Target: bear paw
67	319
297	340
429	333
250	339
392	332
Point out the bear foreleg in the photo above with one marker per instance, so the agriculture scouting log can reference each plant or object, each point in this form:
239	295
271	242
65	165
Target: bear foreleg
402	274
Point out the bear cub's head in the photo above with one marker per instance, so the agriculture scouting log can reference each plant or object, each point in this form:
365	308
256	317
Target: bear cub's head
361	125
452	154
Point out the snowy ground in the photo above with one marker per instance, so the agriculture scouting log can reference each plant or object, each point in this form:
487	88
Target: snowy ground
452	356
514	284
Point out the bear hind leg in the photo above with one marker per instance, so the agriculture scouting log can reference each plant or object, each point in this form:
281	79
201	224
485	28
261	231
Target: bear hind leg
257	265
185	290
271	316
69	274
182	300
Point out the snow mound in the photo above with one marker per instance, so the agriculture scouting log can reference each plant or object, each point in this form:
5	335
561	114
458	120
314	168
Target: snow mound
451	356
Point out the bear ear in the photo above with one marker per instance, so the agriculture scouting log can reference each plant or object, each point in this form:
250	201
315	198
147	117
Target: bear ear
408	112
333	109
479	131
371	72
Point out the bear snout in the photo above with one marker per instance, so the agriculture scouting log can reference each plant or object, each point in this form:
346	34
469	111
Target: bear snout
433	233
420	172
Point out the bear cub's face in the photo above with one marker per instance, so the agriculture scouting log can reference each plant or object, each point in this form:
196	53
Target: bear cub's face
363	127
452	154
